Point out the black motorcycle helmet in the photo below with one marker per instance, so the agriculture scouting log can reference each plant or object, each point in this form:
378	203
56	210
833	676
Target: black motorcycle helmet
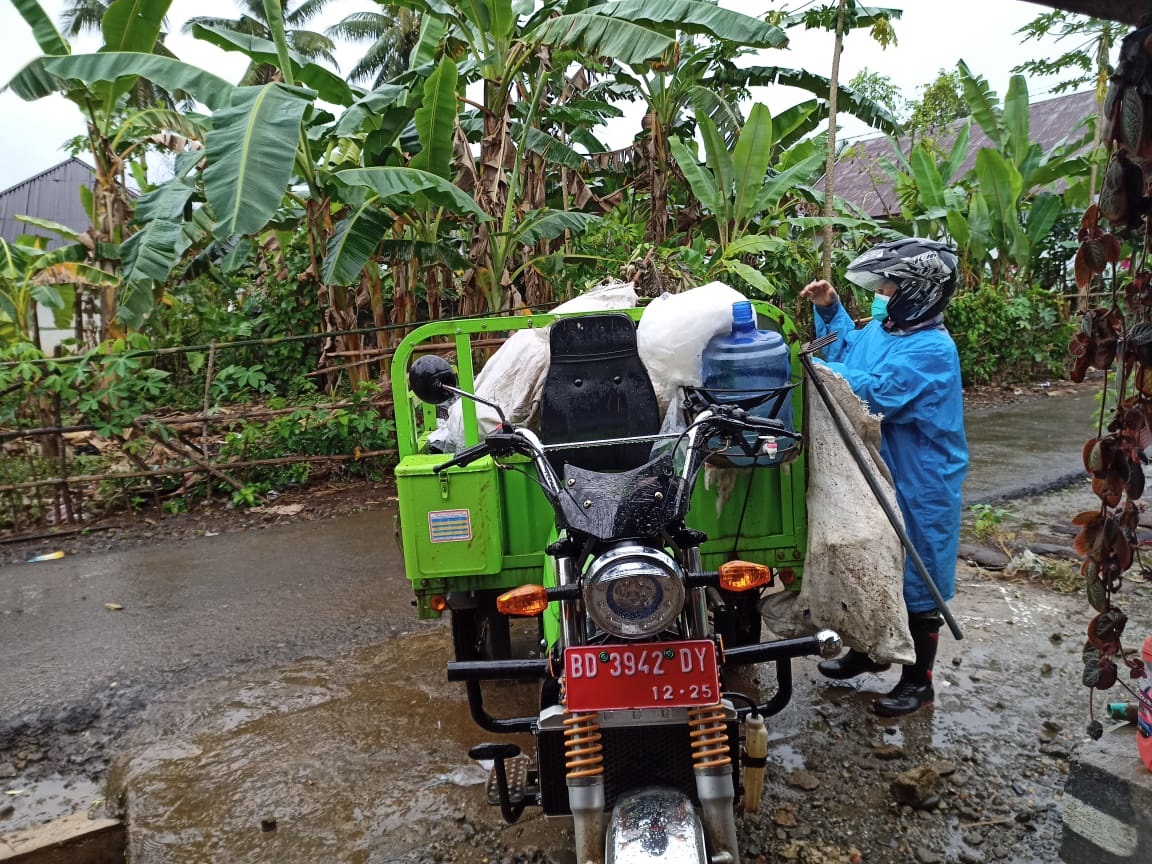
923	271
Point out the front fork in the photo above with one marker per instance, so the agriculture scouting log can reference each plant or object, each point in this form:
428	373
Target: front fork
707	731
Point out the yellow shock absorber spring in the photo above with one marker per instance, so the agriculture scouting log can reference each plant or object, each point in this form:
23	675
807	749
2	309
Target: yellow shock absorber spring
582	747
709	736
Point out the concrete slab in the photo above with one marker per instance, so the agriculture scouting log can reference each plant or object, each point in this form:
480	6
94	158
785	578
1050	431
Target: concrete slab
1108	803
76	839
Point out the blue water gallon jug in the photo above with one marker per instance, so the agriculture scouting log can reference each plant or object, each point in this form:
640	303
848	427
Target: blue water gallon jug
748	362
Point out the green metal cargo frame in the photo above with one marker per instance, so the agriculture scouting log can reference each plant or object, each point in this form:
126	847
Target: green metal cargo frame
500	543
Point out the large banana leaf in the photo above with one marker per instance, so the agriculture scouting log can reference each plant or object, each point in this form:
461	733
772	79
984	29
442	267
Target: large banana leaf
776	187
330	86
696	16
432	32
553	150
501	17
792	124
749	274
1046	209
1000	186
166	201
34	81
847	100
958	154
422	250
598	35
48	225
1016	119
368	106
750	159
352	243
151	253
700	180
435	121
929	183
250	151
719	161
982	100
45	32
396	185
133	25
546	224
172	75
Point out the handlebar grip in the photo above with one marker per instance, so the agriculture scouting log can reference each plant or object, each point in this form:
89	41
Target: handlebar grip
466	457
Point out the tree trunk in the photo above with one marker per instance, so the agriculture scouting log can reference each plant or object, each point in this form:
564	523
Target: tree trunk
830	166
111	213
658	165
484	290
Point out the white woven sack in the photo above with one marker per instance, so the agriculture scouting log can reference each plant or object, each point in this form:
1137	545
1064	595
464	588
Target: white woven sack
853	572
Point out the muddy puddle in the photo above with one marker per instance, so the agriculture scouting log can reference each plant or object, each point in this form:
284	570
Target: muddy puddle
359	759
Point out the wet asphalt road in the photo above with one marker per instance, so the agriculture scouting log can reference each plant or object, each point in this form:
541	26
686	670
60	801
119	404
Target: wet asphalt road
192	609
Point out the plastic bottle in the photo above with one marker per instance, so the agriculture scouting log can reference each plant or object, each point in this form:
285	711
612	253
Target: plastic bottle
1128	711
746	362
1144	717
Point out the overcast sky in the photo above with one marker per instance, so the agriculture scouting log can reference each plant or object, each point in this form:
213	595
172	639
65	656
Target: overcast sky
933	34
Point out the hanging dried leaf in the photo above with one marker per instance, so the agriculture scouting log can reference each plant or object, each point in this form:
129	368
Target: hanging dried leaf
1135	487
1105	630
1097	593
1138	292
1093	458
1109	489
1091	658
1095	730
1083	270
1087	517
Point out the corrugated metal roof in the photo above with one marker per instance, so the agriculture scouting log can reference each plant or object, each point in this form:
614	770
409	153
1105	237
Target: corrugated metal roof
862	179
53	194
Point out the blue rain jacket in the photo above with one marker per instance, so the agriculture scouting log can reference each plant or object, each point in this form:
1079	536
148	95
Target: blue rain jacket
913	379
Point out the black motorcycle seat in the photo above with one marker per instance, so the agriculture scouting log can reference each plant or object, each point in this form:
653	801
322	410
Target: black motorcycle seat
597	387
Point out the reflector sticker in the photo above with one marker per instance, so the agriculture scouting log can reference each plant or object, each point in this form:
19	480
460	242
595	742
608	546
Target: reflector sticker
449	526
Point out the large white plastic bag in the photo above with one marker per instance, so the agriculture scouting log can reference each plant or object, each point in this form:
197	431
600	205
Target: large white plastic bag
514	376
674	331
854	569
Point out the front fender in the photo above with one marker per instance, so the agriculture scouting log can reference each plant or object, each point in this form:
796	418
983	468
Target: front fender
655	825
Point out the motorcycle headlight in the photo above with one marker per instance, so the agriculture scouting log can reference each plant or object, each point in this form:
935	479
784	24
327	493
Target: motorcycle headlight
634	591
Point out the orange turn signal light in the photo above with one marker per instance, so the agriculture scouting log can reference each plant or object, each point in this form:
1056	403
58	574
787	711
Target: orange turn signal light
527	600
744	575
438	603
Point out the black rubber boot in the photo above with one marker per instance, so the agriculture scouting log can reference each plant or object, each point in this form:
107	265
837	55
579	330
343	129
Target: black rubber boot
849	666
915	688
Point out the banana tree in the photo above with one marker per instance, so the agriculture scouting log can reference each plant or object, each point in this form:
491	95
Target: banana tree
745	192
117	131
29	276
508	48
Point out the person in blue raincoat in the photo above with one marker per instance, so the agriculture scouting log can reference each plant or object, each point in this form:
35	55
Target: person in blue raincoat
904	365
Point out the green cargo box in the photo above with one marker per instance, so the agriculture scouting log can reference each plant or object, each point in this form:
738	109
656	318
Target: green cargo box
485	526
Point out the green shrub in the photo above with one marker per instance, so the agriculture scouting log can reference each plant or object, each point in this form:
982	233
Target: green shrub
1006	334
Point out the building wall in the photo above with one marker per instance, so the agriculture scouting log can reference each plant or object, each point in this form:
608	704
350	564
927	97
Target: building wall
53	194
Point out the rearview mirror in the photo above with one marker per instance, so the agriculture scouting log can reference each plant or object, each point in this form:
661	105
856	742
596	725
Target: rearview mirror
429	377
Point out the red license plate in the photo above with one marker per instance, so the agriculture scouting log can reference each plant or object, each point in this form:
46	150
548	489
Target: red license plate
641	675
